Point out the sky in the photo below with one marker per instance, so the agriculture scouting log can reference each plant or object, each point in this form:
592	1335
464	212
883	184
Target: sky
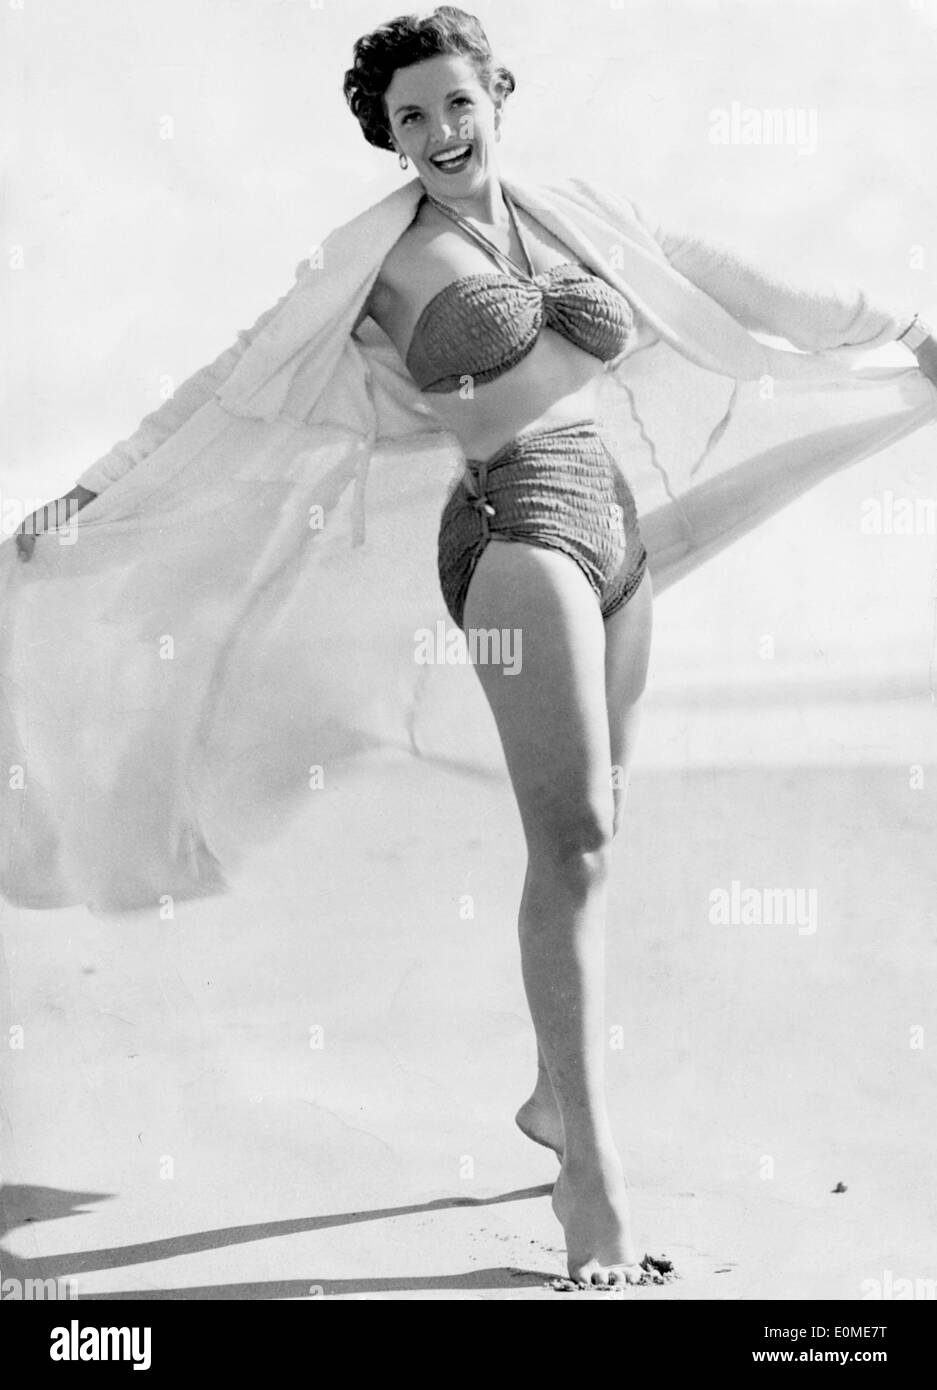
170	161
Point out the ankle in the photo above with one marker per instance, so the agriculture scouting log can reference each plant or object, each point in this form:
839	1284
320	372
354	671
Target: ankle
584	1162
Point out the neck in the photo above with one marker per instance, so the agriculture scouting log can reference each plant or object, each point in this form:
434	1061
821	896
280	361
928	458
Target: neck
484	205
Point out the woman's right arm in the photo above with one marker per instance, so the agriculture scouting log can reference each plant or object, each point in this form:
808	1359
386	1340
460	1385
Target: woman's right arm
153	430
50	517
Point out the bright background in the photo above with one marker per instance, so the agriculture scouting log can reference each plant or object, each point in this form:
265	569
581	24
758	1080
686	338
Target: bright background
143	255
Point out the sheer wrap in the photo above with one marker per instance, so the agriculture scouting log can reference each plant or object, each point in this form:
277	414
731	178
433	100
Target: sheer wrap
234	618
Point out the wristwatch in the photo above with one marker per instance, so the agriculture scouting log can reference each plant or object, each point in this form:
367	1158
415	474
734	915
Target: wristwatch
915	334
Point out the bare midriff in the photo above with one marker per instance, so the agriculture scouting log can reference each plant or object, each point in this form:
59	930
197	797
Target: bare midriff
555	384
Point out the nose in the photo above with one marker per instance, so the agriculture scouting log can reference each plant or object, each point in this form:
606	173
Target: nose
441	132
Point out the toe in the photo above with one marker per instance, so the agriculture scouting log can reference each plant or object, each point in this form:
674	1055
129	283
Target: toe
595	1275
587	1273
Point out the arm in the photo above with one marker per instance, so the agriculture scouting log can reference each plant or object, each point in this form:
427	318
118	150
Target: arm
811	318
152	431
158	426
921	341
52	515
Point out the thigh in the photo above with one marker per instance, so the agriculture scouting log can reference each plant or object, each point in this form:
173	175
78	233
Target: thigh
627	654
551	715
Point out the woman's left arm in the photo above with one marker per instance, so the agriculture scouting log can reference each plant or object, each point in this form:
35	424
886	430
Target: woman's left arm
813	318
926	355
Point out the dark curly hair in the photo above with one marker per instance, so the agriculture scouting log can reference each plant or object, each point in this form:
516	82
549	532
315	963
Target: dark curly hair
408	40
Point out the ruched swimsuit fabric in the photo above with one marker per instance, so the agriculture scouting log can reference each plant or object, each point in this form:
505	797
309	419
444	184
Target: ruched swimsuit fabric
558	487
482	325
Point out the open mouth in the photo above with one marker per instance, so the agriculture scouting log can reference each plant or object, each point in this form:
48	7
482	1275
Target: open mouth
452	161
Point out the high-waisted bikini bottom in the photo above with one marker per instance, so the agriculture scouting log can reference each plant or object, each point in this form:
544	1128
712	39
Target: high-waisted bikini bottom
558	487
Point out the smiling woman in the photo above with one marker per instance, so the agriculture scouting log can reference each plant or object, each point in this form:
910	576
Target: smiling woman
514	359
499	311
382	60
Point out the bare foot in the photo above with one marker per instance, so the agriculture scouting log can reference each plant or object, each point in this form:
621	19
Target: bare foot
591	1204
539	1118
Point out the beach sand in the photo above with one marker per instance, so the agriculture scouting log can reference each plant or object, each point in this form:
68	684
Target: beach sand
308	1091
174	1122
306	1088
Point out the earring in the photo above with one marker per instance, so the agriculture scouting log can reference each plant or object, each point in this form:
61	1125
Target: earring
403	161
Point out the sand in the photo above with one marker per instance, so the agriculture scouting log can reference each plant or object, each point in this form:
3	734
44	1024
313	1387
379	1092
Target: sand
167	1129
173	1128
306	1089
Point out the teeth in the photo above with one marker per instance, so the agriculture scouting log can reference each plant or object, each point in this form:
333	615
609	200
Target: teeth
451	156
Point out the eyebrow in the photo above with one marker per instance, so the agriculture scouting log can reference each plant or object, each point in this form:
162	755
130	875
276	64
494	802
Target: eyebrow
410	106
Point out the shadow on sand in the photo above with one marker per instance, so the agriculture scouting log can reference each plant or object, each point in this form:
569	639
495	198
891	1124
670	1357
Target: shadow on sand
21	1205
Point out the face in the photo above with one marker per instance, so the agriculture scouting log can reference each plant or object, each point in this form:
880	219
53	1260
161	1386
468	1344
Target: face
439	106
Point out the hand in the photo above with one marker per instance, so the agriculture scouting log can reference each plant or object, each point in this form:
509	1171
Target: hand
25	543
926	356
50	516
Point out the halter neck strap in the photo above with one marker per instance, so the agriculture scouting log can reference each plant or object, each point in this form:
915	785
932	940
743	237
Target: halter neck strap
484	241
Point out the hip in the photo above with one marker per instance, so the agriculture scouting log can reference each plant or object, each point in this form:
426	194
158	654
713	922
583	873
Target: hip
572	463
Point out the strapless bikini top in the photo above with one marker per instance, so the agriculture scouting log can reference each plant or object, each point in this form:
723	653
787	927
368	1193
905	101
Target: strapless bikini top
482	325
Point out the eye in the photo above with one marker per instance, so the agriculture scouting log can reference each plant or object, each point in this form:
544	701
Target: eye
410	116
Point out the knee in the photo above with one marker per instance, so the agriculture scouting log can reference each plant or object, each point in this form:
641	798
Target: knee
575	847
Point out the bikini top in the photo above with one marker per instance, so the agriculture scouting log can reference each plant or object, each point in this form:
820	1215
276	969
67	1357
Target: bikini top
483	324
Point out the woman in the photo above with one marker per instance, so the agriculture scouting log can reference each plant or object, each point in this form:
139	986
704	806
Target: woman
508	336
577	589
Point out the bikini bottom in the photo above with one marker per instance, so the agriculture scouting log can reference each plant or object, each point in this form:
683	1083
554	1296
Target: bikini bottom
558	487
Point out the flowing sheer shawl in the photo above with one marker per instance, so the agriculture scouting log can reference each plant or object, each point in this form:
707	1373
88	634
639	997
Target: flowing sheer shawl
234	620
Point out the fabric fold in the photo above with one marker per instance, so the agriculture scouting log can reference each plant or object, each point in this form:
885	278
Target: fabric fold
233	617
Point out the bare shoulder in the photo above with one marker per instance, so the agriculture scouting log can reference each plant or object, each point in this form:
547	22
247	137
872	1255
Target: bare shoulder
407	258
407	264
